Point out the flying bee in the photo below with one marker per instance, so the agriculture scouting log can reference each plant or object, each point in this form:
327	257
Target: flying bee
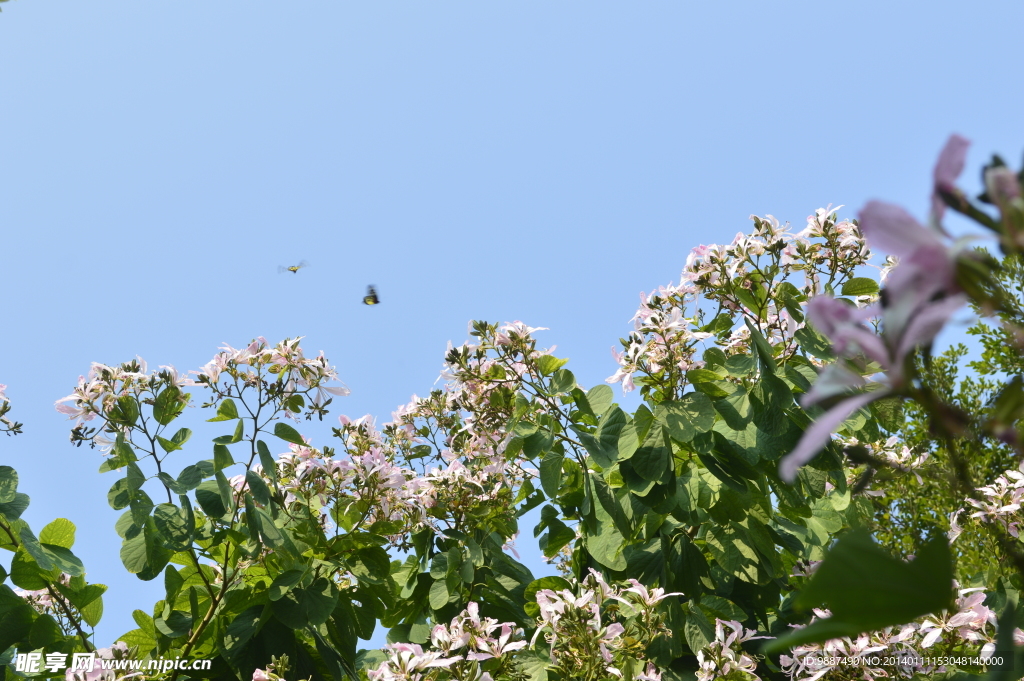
294	269
371	296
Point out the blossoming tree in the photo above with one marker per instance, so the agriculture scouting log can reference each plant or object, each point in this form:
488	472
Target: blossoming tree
721	512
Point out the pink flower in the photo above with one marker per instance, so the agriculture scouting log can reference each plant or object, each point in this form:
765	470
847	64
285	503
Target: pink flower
920	297
649	599
947	170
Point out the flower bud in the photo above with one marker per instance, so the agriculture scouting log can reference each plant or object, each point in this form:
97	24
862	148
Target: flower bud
1002	185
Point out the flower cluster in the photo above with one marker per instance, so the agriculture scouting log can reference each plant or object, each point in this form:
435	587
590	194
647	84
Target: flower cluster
465	482
460	647
999	502
891	452
901	651
293	373
724	656
483	378
118	651
6	425
98	393
42	600
275	671
749	278
595	629
456	439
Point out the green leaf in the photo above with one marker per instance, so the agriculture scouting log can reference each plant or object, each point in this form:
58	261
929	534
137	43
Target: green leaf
252	519
172	584
607	498
642	420
8	484
740	366
273	536
734	409
860	286
438	594
141	506
686	417
175	625
121	455
769	399
266	460
764	350
125	411
167	445
222	457
14	624
259	489
64	560
135	477
814	344
241	630
632	480
714	357
702	376
733	550
209	498
181	436
45	632
172	522
653	461
168	405
688	570
170	483
558	535
227	492
715	467
288	434
190	477
548	364
562	382
284	582
867	589
697	631
226	411
92	611
35	549
600	398
232	439
628	442
606	543
144	554
302	606
607	436
339	659
889	412
60	532
373	565
26	573
551	472
12	510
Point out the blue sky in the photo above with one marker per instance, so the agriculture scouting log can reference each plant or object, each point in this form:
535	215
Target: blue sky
535	161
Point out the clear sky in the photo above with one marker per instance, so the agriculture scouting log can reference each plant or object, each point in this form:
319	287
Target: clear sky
540	161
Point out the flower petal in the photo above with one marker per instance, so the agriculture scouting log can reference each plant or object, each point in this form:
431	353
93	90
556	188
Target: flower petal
951	161
892	229
817	436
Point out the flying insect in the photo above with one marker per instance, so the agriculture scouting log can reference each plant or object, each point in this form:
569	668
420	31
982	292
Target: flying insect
294	269
371	296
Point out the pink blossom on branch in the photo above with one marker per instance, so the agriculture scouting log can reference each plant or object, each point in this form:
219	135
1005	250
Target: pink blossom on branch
920	297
